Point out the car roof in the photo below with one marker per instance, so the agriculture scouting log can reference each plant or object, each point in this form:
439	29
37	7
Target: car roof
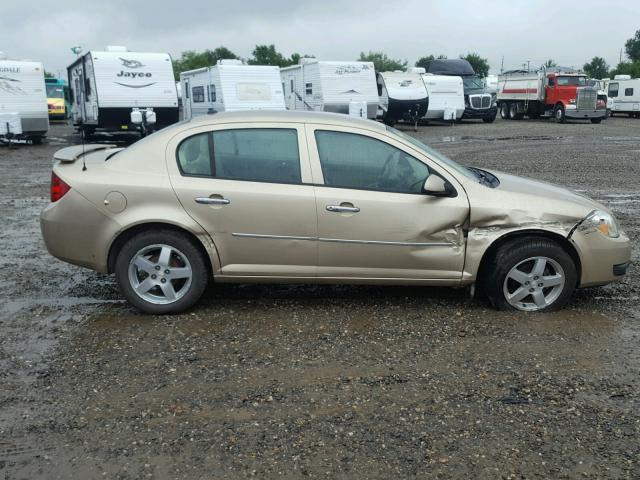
294	116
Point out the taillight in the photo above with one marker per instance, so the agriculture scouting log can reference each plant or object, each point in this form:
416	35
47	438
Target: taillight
58	187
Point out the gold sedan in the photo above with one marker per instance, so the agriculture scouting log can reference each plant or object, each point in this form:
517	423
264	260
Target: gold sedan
318	198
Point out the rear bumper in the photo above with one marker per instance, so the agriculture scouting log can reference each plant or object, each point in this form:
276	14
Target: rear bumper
75	231
480	113
604	260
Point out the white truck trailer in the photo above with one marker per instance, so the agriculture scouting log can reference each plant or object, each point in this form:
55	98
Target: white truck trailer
23	100
330	86
624	96
231	86
446	97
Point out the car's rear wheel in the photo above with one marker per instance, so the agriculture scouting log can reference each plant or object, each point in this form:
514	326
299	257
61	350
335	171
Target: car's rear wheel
530	274
161	272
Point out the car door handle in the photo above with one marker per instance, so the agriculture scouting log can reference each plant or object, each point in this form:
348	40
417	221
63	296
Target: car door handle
341	208
212	201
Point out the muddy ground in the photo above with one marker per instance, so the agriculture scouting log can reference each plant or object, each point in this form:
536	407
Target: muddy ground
335	382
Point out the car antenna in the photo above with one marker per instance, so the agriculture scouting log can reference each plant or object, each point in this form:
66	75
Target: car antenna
84	162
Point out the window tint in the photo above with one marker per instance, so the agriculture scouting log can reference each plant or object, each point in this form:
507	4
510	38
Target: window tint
198	94
628	92
579	81
308	89
355	161
213	93
613	90
552	81
257	154
193	155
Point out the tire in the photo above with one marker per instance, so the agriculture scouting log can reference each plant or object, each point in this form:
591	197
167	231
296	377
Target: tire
559	273
184	258
504	111
558	114
36	140
513	111
596	120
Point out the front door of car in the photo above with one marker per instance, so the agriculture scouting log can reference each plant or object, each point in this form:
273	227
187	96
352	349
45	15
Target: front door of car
250	188
374	220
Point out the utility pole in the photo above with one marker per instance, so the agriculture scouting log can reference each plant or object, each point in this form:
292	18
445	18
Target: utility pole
502	65
528	65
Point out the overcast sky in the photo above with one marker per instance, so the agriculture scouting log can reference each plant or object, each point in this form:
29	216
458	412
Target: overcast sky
570	32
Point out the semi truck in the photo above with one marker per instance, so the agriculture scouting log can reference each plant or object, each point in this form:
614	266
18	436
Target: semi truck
557	93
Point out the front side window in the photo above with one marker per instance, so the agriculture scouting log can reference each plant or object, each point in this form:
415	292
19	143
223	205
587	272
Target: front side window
613	90
198	94
628	92
350	160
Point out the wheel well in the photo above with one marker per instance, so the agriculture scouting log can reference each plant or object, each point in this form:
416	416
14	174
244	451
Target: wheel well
124	236
559	104
559	239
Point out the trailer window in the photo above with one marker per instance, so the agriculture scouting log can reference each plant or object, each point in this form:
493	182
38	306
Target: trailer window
628	92
308	89
186	90
198	94
213	93
87	87
291	85
613	90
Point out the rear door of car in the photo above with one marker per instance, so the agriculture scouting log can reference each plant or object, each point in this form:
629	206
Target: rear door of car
374	222
249	186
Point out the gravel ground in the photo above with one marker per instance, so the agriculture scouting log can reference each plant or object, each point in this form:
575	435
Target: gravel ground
322	381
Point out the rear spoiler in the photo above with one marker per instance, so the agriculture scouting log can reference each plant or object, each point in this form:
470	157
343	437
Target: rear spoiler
71	154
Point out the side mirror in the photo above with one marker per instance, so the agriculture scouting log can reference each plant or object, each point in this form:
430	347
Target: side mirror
437	186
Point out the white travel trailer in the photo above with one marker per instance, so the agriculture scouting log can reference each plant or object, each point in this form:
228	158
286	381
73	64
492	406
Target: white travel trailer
231	86
446	97
106	87
23	100
403	96
624	95
330	86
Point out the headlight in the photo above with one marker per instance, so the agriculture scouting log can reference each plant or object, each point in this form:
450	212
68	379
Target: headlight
572	101
604	222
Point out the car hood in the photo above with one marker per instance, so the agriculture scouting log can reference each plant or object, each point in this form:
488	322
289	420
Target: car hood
521	202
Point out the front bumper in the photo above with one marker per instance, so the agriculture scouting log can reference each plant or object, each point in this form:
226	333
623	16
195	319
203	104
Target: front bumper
480	112
572	112
603	259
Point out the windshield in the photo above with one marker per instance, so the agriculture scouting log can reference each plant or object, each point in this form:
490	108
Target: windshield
54	91
566	81
472	82
431	153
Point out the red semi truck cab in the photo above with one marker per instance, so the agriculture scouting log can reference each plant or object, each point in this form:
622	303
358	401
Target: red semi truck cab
558	95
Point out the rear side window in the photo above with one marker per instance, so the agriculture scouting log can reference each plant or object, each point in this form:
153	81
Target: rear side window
613	90
198	94
267	155
257	154
628	92
350	160
194	155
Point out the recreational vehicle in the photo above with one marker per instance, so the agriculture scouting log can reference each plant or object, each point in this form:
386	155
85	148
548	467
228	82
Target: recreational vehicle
330	86
231	86
624	96
115	89
56	98
23	101
403	96
446	97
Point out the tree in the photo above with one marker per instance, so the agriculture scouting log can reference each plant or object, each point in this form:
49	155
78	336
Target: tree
424	61
550	63
268	55
632	47
48	74
596	68
191	59
626	68
480	65
382	62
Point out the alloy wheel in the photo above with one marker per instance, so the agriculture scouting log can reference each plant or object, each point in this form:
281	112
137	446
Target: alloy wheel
534	283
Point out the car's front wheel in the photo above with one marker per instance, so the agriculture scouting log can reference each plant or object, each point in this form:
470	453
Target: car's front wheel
161	272
530	274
